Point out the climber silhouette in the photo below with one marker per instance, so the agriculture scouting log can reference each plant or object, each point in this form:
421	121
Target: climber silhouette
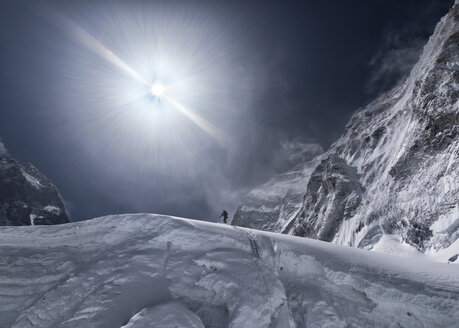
225	216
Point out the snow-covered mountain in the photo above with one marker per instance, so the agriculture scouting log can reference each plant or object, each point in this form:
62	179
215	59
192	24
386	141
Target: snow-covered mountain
146	270
392	179
27	197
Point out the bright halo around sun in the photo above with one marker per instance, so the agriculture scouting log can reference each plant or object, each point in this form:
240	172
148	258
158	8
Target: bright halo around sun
158	89
155	64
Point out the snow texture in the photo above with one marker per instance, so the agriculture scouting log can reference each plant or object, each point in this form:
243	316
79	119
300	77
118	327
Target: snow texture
391	182
147	270
168	315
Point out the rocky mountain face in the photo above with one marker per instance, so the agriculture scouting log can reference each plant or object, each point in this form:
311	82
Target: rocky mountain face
27	197
275	205
394	172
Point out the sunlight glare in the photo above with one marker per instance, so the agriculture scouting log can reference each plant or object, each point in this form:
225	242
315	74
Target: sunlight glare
158	89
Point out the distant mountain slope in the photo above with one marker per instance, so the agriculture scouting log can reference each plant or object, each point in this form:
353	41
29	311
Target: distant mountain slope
148	270
393	175
275	205
27	197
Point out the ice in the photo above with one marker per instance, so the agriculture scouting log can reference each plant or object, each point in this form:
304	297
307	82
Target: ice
52	209
143	270
392	244
32	219
169	315
32	180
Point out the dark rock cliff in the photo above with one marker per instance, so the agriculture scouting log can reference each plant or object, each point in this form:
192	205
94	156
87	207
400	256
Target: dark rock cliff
27	197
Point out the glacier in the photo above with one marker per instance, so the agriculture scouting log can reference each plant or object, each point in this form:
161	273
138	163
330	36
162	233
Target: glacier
145	270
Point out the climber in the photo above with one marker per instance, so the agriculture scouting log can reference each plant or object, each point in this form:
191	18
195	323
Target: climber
225	216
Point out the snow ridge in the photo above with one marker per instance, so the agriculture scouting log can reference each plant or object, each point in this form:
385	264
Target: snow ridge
147	270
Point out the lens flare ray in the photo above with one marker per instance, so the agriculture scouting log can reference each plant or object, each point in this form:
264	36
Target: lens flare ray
154	89
201	122
83	37
157	89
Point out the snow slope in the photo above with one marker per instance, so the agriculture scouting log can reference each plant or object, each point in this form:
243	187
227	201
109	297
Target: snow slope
147	270
393	174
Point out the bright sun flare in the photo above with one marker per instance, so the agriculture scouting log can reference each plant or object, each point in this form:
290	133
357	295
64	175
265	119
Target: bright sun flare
158	89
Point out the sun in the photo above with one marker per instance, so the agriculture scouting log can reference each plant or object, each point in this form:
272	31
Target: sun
158	89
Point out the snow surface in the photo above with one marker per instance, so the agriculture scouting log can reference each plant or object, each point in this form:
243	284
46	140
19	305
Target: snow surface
145	270
168	315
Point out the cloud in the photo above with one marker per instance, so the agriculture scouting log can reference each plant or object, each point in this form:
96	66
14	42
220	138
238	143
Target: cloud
393	65
3	150
402	46
223	192
394	59
297	151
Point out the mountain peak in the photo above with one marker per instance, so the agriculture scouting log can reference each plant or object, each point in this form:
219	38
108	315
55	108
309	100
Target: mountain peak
393	172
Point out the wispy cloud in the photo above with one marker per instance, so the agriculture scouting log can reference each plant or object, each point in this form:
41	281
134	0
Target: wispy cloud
402	46
298	151
395	58
3	150
394	64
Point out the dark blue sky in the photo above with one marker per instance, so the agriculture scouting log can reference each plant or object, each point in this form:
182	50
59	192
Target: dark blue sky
277	76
